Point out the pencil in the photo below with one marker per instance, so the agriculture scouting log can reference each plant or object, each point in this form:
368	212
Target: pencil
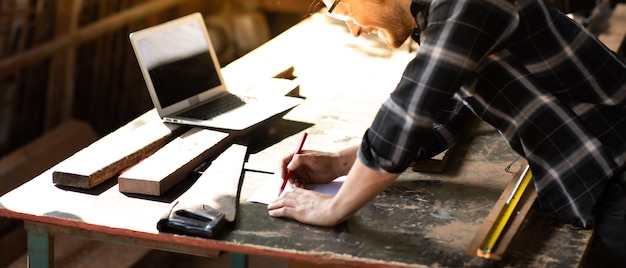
298	150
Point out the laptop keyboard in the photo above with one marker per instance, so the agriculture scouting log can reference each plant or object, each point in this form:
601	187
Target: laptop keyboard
216	107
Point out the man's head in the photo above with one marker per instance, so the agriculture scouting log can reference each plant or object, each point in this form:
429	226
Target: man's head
390	19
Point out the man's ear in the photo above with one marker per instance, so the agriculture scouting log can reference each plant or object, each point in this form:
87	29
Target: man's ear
354	28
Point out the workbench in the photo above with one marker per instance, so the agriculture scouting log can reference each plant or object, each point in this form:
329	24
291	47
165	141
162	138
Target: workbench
422	220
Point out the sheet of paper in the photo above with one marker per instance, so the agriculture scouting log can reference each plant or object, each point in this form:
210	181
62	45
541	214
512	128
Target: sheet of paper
269	191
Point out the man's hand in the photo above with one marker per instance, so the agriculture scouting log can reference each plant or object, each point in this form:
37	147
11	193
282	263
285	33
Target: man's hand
361	185
317	167
305	206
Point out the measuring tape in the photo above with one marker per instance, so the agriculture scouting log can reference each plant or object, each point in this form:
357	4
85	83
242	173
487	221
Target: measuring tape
492	237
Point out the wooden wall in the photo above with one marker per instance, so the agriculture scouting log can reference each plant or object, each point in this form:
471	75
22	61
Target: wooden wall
62	59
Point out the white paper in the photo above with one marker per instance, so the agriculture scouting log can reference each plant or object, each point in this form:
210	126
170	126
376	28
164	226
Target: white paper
269	191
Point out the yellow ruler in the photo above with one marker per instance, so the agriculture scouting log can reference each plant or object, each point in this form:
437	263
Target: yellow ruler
488	244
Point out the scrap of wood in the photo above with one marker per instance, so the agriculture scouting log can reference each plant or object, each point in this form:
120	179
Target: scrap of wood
515	222
171	164
219	184
115	152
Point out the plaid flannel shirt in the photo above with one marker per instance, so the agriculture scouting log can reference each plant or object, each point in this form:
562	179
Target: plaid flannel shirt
554	91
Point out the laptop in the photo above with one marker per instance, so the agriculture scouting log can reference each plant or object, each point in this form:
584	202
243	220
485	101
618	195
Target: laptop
184	79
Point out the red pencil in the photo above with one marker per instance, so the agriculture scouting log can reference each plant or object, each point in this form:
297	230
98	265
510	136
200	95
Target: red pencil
298	150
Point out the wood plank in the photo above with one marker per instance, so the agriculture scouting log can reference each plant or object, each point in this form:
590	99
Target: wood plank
614	35
115	152
219	184
171	164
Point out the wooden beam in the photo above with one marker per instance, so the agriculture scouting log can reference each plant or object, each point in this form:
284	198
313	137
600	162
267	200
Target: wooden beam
115	152
171	164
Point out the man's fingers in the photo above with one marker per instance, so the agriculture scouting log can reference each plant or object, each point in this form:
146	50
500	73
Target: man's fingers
279	212
278	203
282	201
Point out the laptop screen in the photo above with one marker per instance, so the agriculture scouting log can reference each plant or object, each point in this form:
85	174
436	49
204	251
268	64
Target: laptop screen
179	63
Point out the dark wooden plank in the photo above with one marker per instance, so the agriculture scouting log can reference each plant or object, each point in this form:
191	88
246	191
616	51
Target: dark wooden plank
115	152
172	163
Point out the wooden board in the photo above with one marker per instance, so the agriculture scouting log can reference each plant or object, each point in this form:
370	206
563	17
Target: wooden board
522	209
219	184
171	164
115	152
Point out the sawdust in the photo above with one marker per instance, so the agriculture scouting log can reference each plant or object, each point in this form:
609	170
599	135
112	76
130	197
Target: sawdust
456	234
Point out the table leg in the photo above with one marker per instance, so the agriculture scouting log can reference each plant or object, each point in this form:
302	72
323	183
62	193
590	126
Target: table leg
238	260
40	245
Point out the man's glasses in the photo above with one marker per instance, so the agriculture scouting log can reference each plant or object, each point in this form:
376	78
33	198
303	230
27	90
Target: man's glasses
330	10
339	10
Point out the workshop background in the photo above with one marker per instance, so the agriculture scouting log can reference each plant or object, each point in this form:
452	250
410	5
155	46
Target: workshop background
63	60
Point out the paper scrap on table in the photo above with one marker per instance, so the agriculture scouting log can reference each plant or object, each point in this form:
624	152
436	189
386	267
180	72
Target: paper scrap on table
269	191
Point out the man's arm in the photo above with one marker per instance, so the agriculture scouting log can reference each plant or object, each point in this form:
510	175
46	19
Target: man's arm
361	185
448	126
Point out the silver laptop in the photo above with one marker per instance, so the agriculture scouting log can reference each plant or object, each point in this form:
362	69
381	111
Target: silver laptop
184	79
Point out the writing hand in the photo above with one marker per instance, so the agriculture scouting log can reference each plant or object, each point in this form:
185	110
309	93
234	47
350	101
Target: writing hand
305	206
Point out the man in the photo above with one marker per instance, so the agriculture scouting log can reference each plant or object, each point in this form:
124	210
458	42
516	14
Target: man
556	94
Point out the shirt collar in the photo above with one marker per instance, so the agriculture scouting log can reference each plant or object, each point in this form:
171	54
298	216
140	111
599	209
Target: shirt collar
419	10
